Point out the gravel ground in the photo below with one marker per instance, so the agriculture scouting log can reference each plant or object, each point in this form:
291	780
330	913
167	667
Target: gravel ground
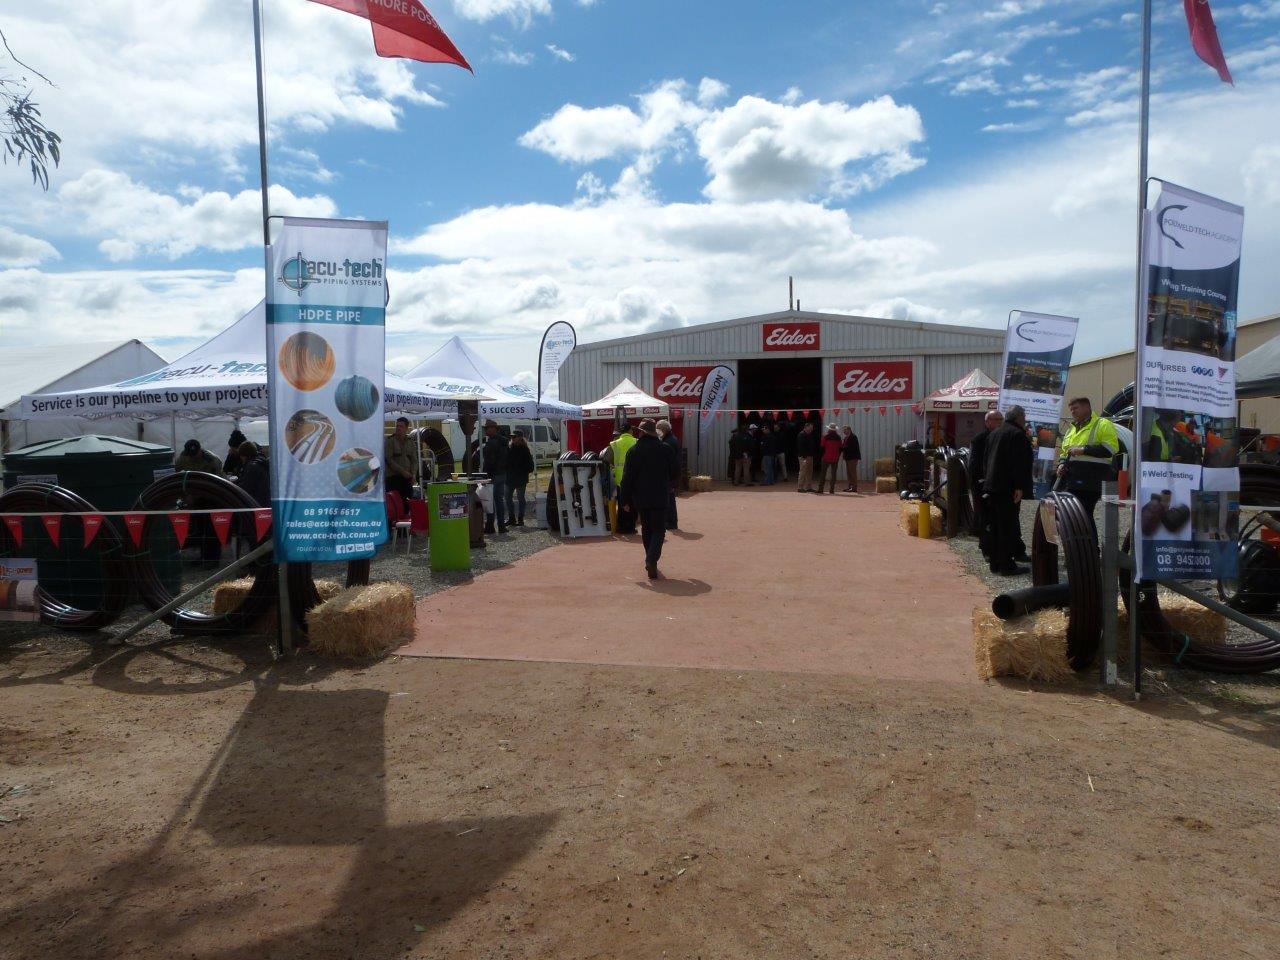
1262	690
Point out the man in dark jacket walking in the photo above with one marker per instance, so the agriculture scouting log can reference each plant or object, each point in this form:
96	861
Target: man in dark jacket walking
646	481
977	470
1006	483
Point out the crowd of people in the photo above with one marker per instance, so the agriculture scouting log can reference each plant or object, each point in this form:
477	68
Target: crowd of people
245	465
758	455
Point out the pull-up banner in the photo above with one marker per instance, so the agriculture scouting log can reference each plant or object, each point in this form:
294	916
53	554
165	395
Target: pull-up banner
326	345
1037	355
558	341
715	391
1188	486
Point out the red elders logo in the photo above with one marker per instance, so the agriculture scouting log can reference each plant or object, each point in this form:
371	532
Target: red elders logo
873	380
681	386
792	336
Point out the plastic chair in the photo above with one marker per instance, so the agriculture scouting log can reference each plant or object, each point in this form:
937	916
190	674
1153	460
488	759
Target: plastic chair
397	520
418	519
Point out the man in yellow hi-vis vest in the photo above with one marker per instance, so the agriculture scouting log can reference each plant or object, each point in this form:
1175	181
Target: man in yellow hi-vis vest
615	454
1085	454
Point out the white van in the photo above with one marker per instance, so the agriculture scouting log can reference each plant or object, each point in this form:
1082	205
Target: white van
543	437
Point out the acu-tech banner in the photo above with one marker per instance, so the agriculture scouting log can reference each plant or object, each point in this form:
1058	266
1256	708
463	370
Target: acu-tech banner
1188	501
326	309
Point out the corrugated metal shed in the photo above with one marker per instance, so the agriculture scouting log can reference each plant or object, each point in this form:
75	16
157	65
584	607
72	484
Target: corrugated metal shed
941	355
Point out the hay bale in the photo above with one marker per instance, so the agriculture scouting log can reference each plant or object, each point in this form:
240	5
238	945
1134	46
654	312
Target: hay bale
884	467
1184	616
1032	647
909	514
362	622
228	595
699	484
886	485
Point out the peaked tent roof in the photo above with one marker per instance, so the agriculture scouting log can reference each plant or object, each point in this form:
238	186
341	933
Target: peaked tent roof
226	375
457	370
634	401
1258	372
974	391
69	365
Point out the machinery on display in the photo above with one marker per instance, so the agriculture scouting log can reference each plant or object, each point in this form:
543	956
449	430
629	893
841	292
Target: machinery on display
580	497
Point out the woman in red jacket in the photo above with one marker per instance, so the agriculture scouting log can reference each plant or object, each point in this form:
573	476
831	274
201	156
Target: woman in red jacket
831	447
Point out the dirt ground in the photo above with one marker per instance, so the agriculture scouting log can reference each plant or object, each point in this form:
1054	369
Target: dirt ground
187	799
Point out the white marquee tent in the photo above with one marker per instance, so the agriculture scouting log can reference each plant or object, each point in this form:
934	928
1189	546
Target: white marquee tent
626	396
65	366
458	371
223	377
974	391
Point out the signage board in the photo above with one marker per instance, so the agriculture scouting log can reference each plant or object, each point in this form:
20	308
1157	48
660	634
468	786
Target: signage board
680	386
790	337
858	380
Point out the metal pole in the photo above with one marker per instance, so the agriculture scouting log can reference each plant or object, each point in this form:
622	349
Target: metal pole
1139	310
215	578
286	638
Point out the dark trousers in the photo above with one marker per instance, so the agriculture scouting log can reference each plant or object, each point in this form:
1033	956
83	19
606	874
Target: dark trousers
626	519
1089	499
1006	532
982	524
653	531
673	520
401	485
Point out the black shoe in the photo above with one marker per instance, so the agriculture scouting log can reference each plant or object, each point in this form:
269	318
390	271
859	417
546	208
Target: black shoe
488	528
1014	571
652	570
1023	558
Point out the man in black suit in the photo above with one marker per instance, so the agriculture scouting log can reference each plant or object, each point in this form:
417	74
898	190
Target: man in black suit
667	436
646	482
1006	483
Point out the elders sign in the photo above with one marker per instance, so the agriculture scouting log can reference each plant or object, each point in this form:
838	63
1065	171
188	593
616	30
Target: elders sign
680	386
776	337
326	344
873	380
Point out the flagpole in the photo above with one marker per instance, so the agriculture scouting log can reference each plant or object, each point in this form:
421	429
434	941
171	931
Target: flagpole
285	637
1139	311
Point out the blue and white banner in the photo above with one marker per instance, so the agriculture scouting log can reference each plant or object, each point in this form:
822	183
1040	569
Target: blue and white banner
1037	355
558	341
715	391
326	344
1187	496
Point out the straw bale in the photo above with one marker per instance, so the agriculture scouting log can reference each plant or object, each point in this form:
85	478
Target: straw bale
362	622
699	484
1033	647
1184	616
886	485
909	514
229	594
884	467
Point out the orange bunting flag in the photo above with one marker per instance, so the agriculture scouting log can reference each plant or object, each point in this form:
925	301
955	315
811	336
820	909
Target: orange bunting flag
261	522
52	526
221	520
15	528
135	523
181	526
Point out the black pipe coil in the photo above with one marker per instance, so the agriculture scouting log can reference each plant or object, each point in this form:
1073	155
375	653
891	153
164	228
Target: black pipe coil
42	497
1018	603
193	490
1079	542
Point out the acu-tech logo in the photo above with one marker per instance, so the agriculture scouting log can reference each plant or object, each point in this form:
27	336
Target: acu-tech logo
297	273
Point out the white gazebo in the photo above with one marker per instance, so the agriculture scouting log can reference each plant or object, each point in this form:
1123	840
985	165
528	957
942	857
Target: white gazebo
628	399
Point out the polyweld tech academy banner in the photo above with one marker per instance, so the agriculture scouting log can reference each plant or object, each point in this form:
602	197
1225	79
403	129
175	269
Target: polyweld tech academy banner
1188	486
326	309
1037	355
715	391
558	341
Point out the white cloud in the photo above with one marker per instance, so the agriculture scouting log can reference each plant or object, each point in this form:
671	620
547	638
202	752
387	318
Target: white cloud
560	53
976	83
136	219
505	53
1012	8
711	92
753	149
20	250
520	12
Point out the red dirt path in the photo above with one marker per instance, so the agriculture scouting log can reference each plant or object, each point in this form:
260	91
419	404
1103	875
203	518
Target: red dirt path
756	579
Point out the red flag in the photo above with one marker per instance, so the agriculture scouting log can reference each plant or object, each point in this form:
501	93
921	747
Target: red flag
221	520
135	523
897	408
261	522
181	526
15	528
883	411
1204	37
403	28
92	523
866	409
53	526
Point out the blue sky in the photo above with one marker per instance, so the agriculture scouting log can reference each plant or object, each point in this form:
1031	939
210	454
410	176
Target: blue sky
630	166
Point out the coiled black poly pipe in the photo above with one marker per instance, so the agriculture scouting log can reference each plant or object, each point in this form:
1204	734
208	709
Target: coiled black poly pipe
1018	603
45	497
1079	542
198	491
